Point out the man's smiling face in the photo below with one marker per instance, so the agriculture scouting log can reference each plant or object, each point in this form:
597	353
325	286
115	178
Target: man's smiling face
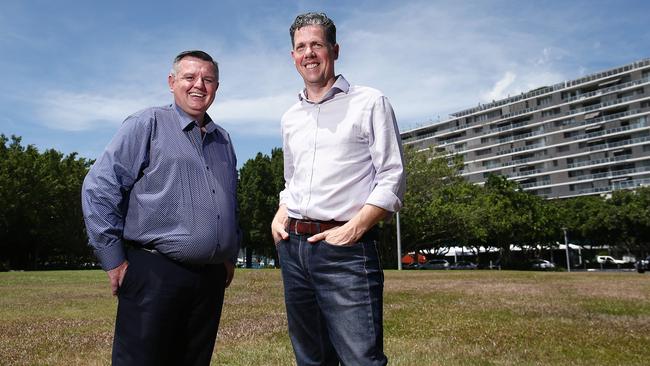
194	86
313	56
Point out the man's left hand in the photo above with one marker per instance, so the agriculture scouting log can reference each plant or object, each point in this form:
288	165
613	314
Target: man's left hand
341	235
354	229
230	272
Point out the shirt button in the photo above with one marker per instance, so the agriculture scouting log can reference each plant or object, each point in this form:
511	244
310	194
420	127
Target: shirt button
207	167
213	191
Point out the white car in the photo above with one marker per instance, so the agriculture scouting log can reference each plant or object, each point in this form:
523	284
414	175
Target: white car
606	259
542	264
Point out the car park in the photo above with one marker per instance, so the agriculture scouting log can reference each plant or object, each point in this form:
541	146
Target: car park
541	264
435	264
463	265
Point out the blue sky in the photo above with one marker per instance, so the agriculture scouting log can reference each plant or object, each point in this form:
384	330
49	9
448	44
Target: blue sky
73	70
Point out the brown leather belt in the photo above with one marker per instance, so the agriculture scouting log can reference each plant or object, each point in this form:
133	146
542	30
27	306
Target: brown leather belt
311	227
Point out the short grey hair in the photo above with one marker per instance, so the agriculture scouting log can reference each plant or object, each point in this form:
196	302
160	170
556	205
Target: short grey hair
321	19
197	54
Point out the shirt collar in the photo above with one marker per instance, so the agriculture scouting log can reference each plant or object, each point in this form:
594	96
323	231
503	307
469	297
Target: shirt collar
187	122
340	86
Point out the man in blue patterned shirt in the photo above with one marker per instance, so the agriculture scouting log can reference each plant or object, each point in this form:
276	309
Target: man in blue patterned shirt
160	211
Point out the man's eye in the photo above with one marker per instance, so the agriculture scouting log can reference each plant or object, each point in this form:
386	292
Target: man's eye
208	81
188	78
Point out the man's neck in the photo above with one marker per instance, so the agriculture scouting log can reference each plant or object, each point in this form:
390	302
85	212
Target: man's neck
315	92
200	121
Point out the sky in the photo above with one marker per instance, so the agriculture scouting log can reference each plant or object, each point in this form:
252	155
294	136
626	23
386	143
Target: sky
74	70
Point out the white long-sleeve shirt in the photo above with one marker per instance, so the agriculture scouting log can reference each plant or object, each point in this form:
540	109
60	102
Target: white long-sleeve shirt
340	154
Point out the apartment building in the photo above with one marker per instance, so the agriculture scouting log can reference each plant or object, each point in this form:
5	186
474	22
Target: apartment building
580	137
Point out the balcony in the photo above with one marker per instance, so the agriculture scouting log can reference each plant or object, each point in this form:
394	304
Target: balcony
599	161
535	184
641	124
602	105
524	174
619	143
612	174
606	90
628	184
520	149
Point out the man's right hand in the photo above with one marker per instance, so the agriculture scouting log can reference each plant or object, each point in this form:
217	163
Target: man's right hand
116	276
279	224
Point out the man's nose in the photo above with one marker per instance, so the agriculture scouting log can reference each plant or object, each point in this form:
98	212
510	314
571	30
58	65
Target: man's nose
199	83
309	51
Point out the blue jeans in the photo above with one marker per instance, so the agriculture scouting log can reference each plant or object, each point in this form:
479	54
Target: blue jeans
334	297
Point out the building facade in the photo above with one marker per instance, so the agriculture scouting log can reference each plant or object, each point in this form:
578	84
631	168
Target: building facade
580	137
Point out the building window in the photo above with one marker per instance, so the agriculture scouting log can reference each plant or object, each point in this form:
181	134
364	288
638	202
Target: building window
544	100
550	112
481	117
564	122
623	152
571	134
569	94
483	152
562	148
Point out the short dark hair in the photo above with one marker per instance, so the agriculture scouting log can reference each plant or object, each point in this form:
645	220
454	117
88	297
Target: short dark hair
321	19
197	54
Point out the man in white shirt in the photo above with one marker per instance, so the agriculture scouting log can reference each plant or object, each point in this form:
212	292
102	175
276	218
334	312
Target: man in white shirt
344	172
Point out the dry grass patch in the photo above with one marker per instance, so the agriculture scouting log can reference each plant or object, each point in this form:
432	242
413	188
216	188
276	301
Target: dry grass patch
431	318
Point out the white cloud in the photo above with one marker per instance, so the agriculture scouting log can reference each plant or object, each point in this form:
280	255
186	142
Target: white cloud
83	111
501	87
435	59
253	116
429	59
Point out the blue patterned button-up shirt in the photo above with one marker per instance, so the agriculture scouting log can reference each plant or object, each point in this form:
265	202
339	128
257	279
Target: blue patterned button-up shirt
164	186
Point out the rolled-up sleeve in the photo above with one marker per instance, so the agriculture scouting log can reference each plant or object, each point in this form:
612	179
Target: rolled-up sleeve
387	158
105	191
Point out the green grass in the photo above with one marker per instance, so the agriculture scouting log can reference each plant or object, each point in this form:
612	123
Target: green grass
431	318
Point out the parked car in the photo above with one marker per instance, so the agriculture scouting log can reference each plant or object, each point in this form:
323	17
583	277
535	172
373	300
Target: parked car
463	265
642	265
435	264
541	264
411	266
606	259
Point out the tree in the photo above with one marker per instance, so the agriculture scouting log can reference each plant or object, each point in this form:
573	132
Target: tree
260	182
629	218
435	201
40	208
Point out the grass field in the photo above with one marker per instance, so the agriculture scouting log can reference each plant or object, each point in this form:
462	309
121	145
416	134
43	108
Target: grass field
431	318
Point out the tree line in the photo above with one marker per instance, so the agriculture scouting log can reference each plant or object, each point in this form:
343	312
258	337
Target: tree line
41	224
441	209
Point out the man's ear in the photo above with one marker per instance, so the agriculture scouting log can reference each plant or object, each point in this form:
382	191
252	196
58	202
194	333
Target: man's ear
335	49
170	82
